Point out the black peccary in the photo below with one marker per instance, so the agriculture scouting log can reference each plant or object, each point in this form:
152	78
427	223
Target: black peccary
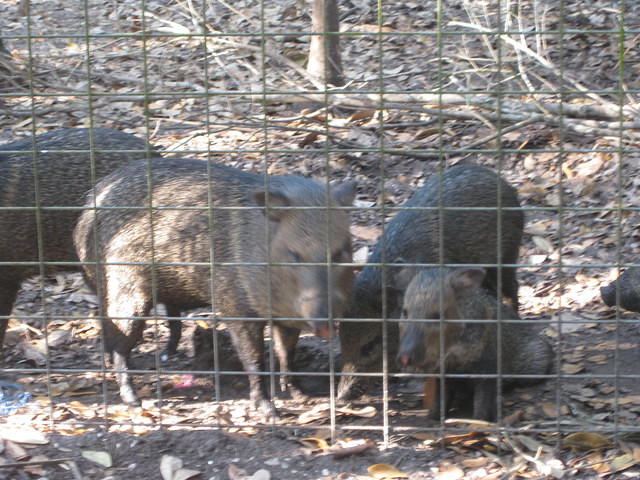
629	285
448	297
238	228
415	236
63	180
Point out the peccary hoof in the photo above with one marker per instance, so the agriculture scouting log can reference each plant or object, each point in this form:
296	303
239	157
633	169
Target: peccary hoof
352	390
267	409
128	396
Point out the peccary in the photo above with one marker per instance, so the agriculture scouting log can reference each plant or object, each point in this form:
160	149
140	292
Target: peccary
416	236
240	226
63	178
448	297
629	285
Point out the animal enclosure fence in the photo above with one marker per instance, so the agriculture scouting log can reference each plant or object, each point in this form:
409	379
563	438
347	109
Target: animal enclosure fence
544	95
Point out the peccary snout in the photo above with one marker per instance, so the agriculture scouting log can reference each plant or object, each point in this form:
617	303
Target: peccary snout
628	283
411	350
315	302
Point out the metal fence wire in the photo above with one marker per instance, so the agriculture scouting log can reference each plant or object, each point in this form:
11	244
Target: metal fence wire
391	240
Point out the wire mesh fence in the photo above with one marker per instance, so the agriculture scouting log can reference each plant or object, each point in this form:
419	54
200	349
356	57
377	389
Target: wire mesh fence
394	237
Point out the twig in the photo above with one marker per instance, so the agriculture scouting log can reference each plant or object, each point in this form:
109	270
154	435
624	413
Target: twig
38	462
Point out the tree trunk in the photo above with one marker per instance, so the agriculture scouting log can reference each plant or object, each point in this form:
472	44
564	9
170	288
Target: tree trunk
324	53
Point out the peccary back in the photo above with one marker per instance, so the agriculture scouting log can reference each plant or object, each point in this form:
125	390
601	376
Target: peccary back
237	229
63	180
416	236
629	286
446	296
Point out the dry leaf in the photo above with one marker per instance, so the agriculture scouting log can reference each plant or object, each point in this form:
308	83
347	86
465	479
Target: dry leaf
449	472
623	462
315	443
423	436
235	473
365	412
169	465
549	409
37	469
361	115
543	244
316	413
384	471
101	458
597	462
185	474
476	462
366	233
572	368
530	443
15	451
598	358
79	409
261	474
585	441
33	354
352	447
22	434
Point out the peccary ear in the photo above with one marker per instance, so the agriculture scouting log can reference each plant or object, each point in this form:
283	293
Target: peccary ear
468	279
402	276
343	193
276	198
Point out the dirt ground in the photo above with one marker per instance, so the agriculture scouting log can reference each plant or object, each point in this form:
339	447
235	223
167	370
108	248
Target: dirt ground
581	424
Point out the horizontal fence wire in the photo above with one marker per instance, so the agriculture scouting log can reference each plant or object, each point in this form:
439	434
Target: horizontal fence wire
213	299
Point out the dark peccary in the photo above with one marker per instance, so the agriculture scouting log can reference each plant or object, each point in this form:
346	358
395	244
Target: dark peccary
413	236
231	235
446	295
63	180
629	285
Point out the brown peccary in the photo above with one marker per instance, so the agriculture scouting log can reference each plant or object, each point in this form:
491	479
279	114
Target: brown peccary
629	286
203	212
474	233
459	340
63	168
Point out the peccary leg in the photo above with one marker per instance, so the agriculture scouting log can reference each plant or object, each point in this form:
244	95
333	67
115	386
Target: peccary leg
121	362
458	396
175	331
120	341
248	340
509	285
285	340
484	399
8	293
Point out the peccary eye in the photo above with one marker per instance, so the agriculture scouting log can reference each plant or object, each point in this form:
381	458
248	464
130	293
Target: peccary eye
337	256
405	314
368	348
295	256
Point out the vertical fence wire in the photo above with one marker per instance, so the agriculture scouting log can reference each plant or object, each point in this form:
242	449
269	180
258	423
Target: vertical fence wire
501	93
